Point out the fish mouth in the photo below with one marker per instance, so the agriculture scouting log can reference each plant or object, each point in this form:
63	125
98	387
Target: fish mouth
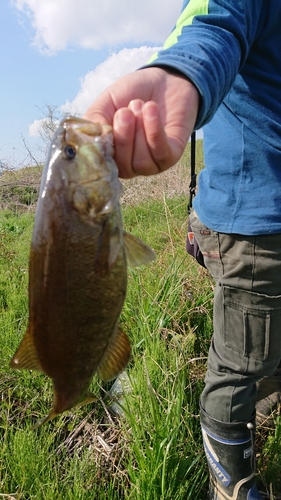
87	127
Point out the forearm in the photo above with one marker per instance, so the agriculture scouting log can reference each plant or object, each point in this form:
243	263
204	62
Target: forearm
209	45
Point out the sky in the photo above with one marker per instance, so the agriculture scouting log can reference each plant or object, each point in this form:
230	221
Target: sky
64	53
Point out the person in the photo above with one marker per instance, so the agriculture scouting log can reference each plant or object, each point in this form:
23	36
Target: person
220	69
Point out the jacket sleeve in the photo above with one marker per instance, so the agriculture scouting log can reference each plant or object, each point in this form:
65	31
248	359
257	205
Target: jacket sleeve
209	45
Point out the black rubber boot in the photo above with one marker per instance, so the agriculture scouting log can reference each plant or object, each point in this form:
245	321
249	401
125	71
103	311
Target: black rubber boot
230	454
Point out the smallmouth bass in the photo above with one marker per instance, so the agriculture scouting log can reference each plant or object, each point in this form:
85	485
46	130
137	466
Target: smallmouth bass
78	267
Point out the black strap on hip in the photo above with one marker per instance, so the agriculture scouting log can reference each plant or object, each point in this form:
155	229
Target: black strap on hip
192	185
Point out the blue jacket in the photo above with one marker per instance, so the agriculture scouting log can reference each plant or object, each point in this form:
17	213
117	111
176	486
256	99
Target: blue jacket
231	50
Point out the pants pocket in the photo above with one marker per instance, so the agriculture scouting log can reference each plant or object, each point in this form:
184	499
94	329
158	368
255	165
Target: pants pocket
208	241
252	324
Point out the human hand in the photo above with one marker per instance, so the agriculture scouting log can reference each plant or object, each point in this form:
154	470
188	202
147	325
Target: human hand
153	113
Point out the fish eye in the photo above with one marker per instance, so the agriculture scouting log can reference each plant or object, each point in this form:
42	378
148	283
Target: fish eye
70	152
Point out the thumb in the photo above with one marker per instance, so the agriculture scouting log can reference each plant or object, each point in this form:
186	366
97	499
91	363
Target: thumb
102	110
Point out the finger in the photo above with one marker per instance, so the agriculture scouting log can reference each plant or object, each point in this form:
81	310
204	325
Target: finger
101	111
142	161
152	150
158	143
124	132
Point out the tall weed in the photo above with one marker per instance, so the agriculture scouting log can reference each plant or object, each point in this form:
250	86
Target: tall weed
152	448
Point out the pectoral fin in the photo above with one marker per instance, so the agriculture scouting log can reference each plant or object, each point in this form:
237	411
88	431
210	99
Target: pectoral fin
116	356
26	357
137	252
114	248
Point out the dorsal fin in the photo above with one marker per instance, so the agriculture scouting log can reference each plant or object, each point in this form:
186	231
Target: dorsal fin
116	356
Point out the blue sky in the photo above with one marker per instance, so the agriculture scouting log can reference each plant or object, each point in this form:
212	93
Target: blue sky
66	56
30	79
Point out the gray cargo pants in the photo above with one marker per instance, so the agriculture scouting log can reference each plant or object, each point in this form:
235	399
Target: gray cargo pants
246	343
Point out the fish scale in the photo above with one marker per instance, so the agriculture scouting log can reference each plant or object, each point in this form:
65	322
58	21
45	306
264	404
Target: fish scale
78	267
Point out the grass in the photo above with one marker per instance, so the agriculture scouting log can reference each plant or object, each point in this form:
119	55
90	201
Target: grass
153	448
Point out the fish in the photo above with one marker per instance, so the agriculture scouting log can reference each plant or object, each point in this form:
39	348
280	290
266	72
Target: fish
78	267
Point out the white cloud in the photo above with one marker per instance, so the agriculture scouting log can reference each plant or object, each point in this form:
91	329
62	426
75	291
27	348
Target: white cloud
93	24
94	82
35	127
43	128
115	66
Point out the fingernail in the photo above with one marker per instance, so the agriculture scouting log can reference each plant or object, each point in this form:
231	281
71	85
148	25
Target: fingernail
151	111
136	105
118	122
122	118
